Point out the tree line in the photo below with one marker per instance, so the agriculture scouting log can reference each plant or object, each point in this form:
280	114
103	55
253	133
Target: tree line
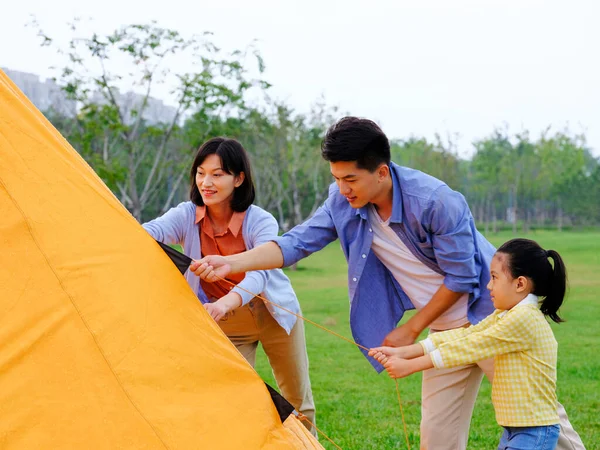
511	180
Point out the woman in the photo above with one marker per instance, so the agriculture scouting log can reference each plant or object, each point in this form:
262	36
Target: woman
220	219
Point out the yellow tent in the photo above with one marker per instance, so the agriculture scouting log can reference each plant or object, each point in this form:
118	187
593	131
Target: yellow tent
102	342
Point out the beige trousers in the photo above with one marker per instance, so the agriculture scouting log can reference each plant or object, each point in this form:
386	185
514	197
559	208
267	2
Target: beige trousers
448	398
250	324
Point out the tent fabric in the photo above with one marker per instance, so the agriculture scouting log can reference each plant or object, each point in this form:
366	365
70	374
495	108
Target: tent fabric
284	408
102	342
181	261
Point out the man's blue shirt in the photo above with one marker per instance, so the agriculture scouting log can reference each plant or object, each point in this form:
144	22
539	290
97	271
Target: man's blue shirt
432	220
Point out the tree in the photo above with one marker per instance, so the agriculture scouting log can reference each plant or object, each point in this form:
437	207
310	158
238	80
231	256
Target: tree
116	132
438	159
486	181
563	159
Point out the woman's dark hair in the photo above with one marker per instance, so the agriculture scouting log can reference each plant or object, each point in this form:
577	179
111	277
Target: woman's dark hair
234	160
526	258
356	139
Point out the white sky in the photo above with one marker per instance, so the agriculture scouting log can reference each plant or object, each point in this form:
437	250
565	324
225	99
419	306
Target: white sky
416	67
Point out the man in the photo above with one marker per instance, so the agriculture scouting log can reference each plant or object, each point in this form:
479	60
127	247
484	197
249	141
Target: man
410	242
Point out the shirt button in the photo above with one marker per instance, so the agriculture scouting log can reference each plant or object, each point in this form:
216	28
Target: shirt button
364	256
353	279
370	230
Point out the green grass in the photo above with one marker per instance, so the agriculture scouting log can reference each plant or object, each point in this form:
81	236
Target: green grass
359	409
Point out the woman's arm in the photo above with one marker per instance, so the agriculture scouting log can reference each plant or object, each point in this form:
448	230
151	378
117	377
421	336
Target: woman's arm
169	228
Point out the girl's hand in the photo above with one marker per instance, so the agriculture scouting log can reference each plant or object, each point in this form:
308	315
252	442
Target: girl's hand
387	351
401	362
382	354
398	367
405	352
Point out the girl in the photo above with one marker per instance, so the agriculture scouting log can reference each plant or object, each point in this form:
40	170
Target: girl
220	219
516	334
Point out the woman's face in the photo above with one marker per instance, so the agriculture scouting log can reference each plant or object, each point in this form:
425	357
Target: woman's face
215	184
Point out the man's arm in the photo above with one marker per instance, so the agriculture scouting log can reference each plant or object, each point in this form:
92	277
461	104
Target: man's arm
450	222
406	334
448	219
260	232
264	257
302	240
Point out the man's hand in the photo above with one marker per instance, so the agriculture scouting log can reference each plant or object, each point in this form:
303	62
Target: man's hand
401	336
264	257
211	268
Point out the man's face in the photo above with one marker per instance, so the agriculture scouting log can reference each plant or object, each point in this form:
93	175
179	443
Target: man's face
359	186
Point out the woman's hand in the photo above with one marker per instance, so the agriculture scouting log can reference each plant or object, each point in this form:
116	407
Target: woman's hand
216	310
225	304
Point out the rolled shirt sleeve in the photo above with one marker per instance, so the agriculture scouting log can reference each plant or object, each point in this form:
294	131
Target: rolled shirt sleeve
449	221
308	237
428	345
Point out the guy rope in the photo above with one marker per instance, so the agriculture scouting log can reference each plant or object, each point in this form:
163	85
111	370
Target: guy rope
302	417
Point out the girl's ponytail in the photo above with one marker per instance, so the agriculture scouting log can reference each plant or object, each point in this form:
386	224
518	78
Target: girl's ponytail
526	258
558	286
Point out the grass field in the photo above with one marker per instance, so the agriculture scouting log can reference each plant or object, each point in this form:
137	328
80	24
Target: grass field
359	409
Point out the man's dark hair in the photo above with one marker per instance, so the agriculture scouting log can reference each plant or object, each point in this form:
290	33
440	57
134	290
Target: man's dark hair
234	161
356	139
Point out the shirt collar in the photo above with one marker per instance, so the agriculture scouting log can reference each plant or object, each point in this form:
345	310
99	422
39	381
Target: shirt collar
200	213
396	216
529	300
235	224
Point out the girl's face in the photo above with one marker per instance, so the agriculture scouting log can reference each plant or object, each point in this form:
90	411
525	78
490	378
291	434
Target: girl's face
215	185
505	290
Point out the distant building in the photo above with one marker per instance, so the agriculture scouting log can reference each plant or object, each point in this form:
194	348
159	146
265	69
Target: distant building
155	111
46	95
